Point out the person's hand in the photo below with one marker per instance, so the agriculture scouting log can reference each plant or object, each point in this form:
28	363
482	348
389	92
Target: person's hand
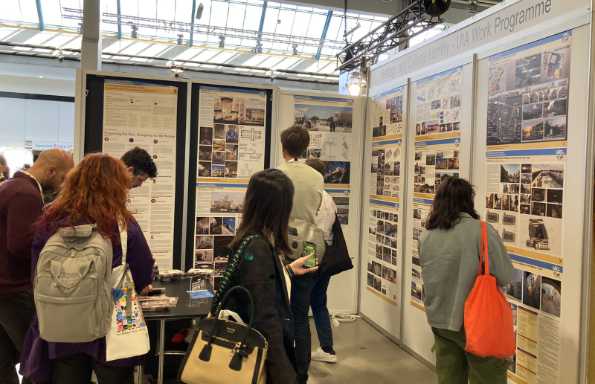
146	290
297	266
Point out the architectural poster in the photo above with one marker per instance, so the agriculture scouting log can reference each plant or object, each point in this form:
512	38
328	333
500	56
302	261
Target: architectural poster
231	138
329	122
145	116
527	128
437	103
384	194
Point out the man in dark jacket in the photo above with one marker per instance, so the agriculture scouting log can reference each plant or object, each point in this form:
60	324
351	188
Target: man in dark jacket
21	202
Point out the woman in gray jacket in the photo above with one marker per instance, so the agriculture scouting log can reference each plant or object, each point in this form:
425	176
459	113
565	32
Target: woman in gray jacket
449	254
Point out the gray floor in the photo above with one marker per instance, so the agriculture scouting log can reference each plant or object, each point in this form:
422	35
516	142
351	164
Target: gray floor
366	356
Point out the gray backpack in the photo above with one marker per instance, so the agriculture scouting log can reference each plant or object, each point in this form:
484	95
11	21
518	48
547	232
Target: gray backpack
72	286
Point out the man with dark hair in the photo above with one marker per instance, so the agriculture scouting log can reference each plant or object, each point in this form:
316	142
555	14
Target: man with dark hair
21	203
307	199
140	166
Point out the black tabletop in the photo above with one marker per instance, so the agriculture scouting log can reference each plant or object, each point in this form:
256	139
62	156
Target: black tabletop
186	308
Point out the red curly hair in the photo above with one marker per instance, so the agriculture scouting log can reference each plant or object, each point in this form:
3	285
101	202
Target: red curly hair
95	191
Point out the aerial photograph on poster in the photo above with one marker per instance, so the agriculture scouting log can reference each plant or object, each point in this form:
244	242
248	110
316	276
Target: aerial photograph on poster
528	93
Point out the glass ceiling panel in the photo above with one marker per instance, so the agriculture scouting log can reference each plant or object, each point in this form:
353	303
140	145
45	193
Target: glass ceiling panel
219	12
316	26
18	11
236	15
271	19
252	19
291	33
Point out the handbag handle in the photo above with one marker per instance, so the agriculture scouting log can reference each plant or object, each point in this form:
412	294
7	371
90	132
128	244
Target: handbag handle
241	350
247	294
484	260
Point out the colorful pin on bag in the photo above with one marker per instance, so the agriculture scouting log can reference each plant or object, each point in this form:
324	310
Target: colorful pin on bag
488	316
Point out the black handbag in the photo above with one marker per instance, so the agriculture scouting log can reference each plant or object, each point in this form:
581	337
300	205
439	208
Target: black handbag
226	352
336	258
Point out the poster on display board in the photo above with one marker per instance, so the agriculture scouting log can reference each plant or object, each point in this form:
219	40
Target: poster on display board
388	117
437	105
231	148
329	122
527	130
145	116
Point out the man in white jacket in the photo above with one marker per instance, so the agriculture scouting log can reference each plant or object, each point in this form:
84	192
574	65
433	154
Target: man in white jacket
309	187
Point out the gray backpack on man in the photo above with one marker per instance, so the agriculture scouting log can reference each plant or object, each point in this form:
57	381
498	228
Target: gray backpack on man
72	286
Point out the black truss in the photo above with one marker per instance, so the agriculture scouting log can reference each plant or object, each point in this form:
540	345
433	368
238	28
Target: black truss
394	33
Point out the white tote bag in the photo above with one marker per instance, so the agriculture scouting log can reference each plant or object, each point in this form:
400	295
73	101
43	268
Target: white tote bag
128	335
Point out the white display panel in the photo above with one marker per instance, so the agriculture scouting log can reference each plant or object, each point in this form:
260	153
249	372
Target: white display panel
231	148
439	142
145	115
531	127
335	127
382	232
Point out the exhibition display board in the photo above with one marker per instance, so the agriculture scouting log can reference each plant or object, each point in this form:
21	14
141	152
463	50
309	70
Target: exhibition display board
438	146
124	113
382	229
501	100
336	134
532	126
230	141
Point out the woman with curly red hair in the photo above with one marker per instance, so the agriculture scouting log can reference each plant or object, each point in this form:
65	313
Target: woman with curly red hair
95	192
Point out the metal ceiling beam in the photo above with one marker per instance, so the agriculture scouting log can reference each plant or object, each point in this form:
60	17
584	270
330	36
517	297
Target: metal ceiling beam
192	18
119	17
395	33
327	24
261	27
40	15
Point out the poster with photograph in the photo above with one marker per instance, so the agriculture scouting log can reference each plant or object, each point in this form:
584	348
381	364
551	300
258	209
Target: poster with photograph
524	203
528	93
525	192
145	116
389	113
421	212
329	122
231	148
437	104
383	250
385	130
385	169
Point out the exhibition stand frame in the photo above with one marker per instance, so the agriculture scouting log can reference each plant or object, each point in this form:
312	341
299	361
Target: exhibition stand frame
504	99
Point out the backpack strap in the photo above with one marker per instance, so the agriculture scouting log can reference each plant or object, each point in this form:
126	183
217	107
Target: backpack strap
483	251
231	269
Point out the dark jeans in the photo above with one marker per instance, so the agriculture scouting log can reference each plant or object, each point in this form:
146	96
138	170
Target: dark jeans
455	366
301	291
77	369
322	317
16	314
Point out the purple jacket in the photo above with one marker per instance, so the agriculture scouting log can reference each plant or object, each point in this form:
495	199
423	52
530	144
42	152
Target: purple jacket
37	353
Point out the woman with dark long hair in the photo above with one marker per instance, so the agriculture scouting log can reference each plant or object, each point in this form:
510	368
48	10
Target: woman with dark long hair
449	255
94	192
265	218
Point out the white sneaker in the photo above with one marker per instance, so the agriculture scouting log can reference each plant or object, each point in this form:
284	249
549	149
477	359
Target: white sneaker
320	355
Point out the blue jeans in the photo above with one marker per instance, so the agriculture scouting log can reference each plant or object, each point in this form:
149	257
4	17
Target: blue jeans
322	317
301	290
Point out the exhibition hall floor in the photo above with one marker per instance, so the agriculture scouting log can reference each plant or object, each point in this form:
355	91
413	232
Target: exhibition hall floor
366	356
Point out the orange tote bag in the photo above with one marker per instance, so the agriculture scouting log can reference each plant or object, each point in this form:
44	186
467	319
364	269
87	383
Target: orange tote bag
488	316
